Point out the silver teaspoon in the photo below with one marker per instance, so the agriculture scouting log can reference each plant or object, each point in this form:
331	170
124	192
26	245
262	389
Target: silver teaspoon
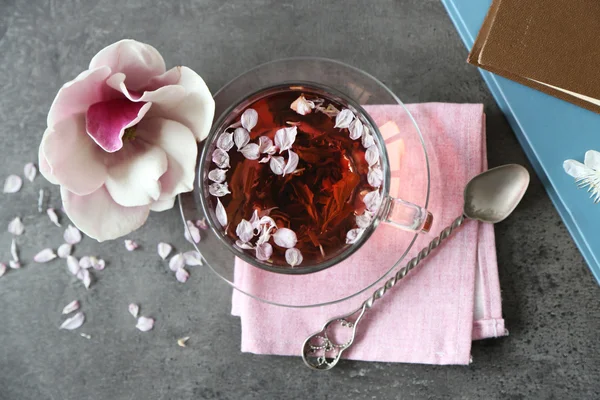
489	197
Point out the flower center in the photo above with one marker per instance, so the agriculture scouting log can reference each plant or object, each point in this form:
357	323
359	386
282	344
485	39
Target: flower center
129	133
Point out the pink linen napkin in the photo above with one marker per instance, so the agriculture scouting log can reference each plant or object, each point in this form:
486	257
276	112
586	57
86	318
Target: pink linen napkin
433	314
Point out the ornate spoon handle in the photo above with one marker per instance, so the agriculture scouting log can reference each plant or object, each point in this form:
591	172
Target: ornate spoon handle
322	350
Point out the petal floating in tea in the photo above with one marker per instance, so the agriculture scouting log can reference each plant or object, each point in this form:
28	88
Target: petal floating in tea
356	129
255	220
264	251
277	165
285	137
367	138
249	119
364	220
293	257
250	151
372	200
245	231
221	214
344	118
221	158
241	137
243	245
330	111
265	160
375	176
285	237
218	189
353	235
302	106
372	155
267	221
291	164
225	141
217	175
264	144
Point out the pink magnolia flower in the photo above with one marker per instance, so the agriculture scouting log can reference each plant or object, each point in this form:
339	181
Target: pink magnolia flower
121	138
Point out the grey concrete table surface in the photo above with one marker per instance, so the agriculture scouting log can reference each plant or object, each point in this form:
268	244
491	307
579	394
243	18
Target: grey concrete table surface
551	302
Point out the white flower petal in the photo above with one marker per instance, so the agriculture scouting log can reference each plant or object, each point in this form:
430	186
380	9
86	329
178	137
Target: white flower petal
356	129
292	163
285	237
85	276
225	141
16	227
249	119
293	257
265	160
85	262
221	158
182	275
372	155
44	256
12	184
217	175
221	213
250	151
14	251
576	169
30	171
218	189
364	220
375	176
72	306
181	342
277	165
14	264
592	159
2	269
74	322
367	139
285	137
264	251
130	245
53	217
372	200
176	262
192	258
72	235
241	137
192	233
302	106
255	220
344	118
243	245
73	265
245	231
64	250
134	309
164	249
264	144
353	235
145	324
99	265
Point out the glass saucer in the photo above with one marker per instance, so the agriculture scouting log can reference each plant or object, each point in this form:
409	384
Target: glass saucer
346	280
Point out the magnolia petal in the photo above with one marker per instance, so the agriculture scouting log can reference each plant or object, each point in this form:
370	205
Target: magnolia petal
134	309
364	220
302	106
372	155
264	143
217	175
264	251
344	118
293	257
250	151
243	245
285	137
164	249
14	251
192	258
225	141
44	256
2	269
249	119
53	217
353	235
130	245
372	200
14	264
592	159
99	264
241	137
72	235
74	322
73	265
64	250
163	204
292	163
356	129
182	275
221	213
218	189
285	237
16	227
176	262
375	176
30	171
145	324
221	158
12	184
277	165
576	169
245	231
192	233
72	306
85	262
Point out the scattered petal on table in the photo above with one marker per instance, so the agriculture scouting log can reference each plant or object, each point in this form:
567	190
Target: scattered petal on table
181	342
98	264
64	250
134	309
192	258
85	262
72	306
182	275
130	245
53	217
85	335
192	233
14	251
73	265
2	269
144	324
16	227
74	322
30	171
176	262
164	249
12	184
44	256
14	264
72	235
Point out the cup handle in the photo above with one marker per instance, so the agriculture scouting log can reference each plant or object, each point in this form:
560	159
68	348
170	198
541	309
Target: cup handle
407	216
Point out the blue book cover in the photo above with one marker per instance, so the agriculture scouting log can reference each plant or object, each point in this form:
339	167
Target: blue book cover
550	131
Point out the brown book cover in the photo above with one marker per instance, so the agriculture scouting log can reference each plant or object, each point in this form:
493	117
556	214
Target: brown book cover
550	45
